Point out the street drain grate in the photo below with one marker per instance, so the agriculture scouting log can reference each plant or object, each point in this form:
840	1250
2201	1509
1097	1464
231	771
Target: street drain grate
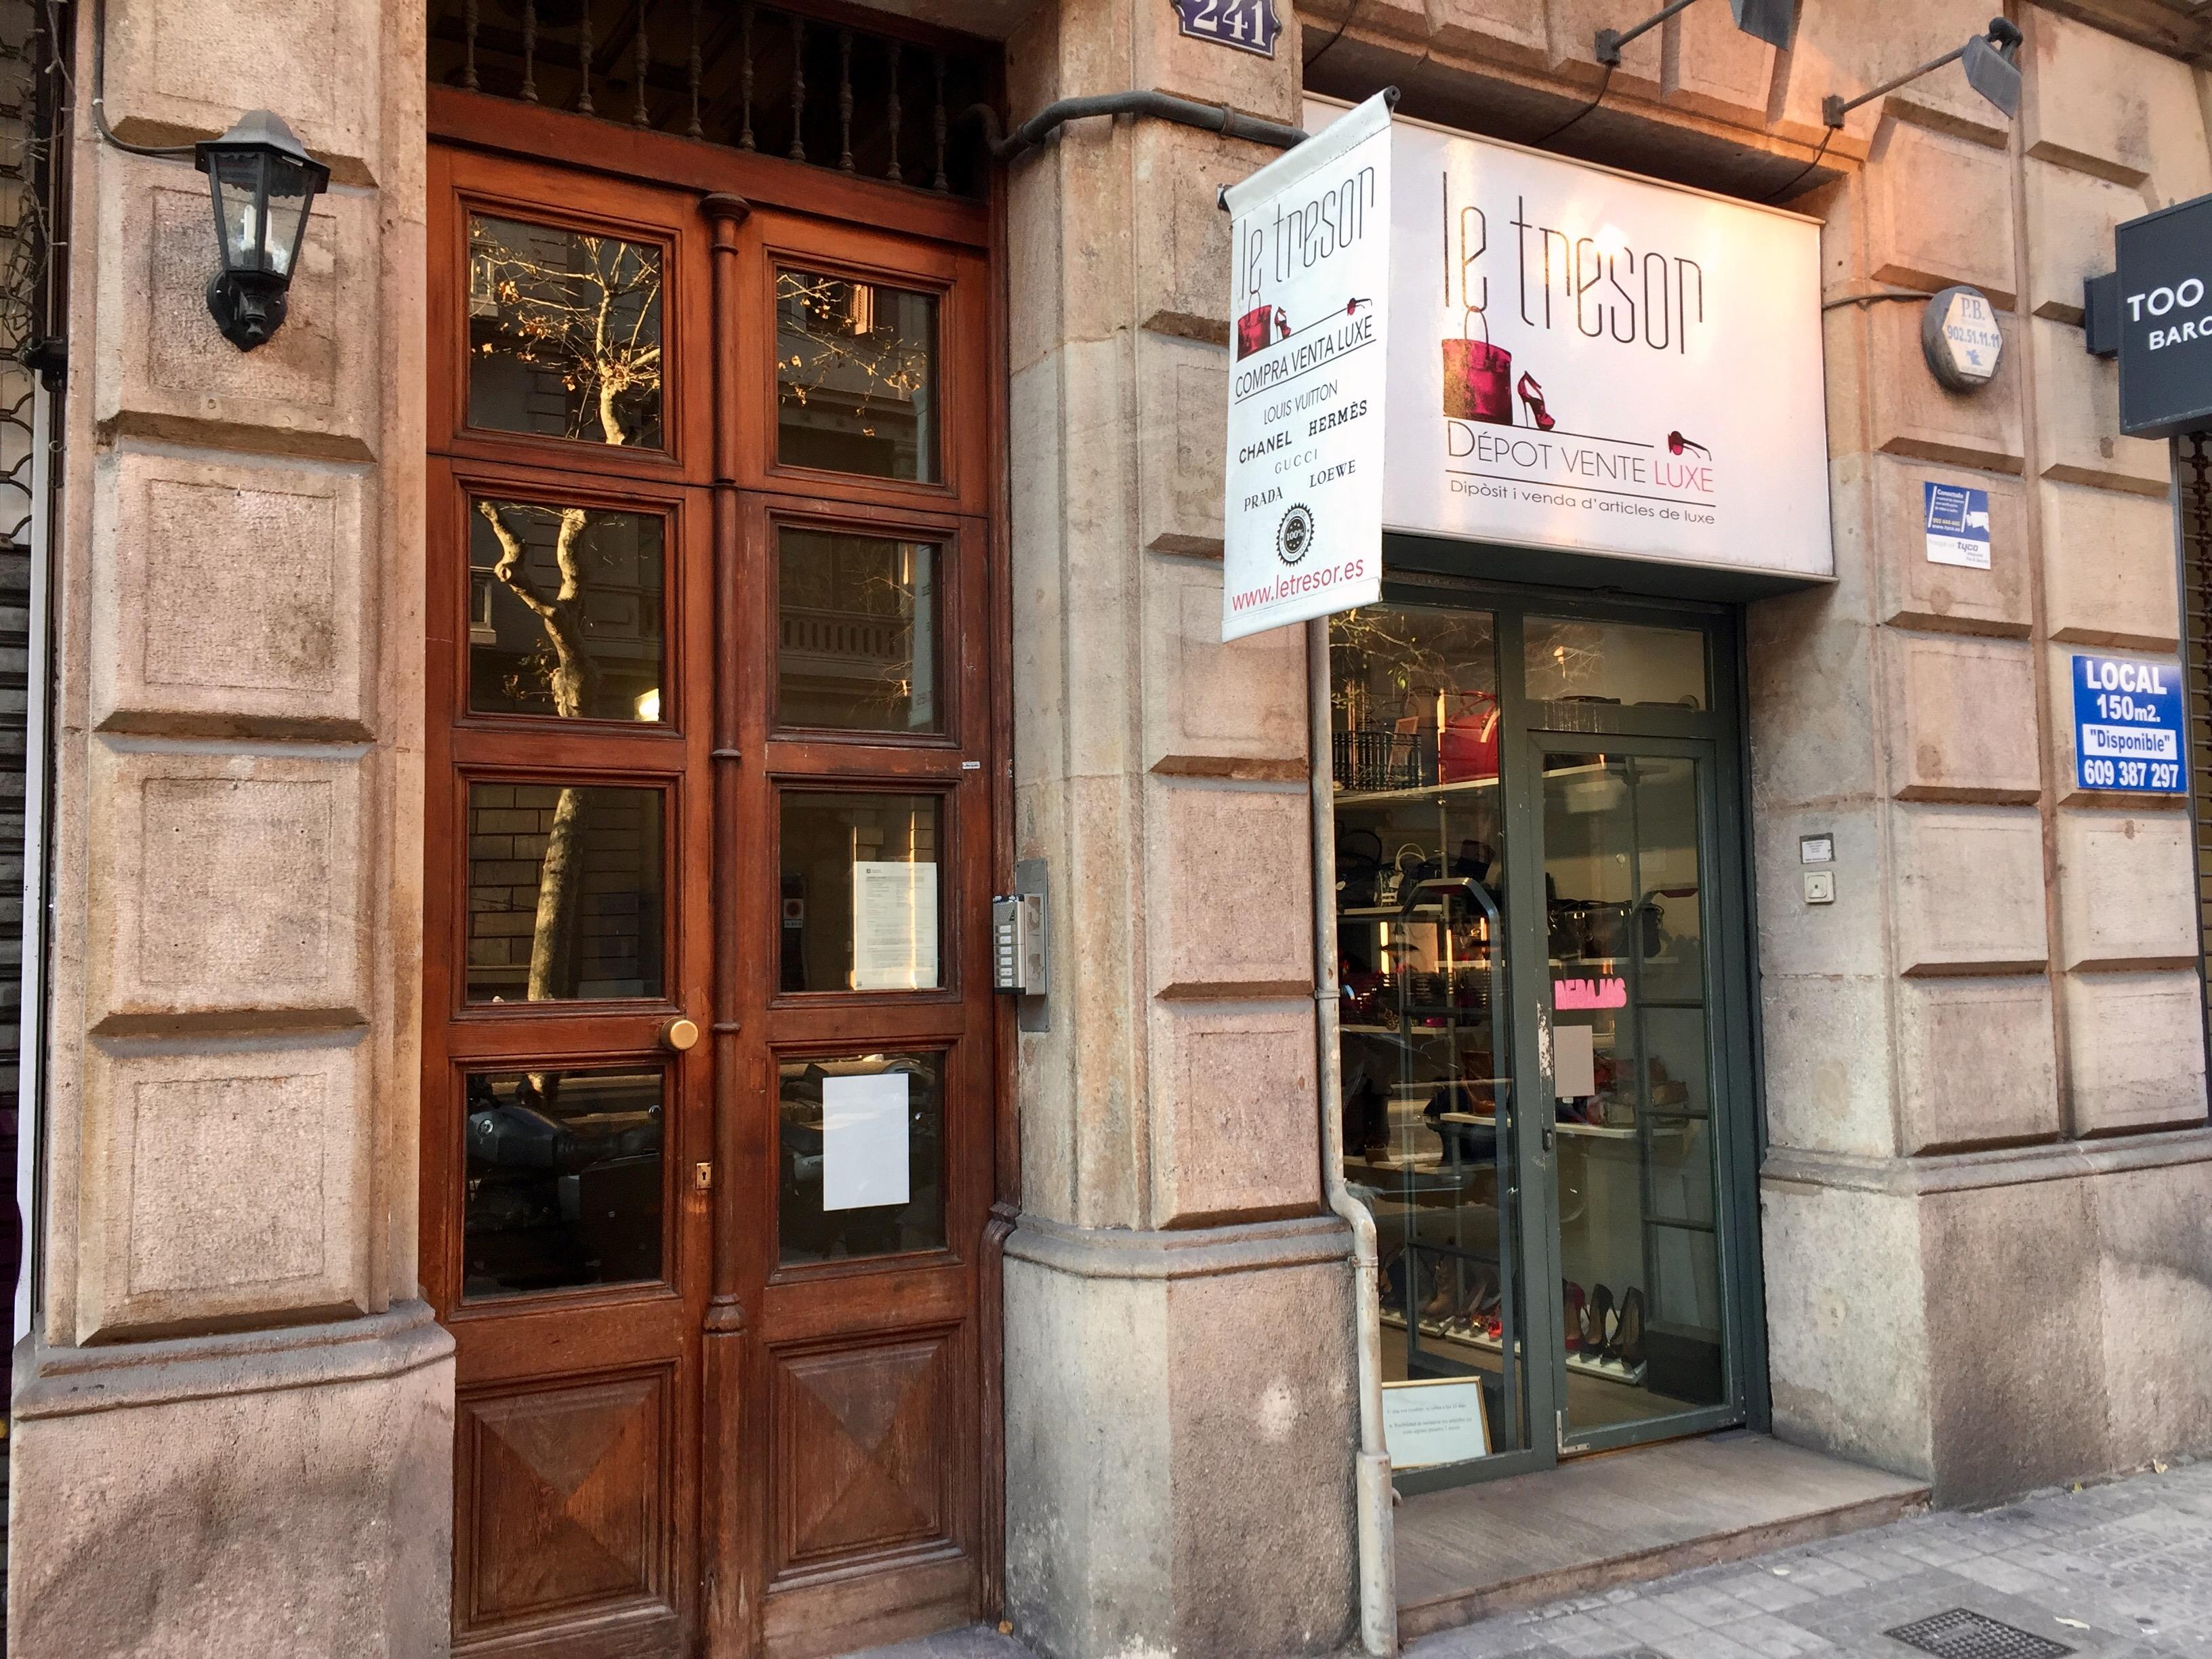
1963	1634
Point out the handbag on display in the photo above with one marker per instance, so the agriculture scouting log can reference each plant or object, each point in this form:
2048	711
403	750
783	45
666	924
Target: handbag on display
1478	376
1466	749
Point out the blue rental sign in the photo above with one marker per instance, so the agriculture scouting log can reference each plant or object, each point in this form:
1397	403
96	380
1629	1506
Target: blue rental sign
2127	725
1250	25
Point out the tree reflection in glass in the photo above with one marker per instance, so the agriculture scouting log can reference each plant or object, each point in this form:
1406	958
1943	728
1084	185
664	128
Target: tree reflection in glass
856	377
565	621
564	333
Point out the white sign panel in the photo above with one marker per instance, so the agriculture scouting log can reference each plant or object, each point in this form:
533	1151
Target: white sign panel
1302	503
864	1140
1428	1423
1585	361
893	925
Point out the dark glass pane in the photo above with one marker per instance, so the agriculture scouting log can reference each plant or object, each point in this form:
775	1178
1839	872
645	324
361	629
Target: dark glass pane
857	633
564	1180
565	892
856	377
565	611
1570	661
564	333
860	892
862	1152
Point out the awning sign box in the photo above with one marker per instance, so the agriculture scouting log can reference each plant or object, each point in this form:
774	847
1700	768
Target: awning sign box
1583	360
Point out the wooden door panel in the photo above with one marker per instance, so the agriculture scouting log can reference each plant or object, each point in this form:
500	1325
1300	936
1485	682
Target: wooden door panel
859	1436
566	1495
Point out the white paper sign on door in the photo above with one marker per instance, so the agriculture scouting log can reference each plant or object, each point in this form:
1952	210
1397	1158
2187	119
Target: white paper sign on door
1302	508
893	925
864	1140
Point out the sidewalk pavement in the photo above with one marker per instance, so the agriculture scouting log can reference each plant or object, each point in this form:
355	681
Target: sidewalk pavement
2122	1571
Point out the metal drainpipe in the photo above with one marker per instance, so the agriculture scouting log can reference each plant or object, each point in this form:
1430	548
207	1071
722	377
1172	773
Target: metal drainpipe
1378	1590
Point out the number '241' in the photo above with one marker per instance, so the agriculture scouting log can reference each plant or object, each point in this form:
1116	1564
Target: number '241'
1250	25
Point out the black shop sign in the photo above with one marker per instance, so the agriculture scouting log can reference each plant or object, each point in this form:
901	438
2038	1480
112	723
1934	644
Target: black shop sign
2163	299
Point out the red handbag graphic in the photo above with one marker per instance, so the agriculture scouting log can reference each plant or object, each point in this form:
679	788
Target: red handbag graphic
1466	749
1260	328
1478	377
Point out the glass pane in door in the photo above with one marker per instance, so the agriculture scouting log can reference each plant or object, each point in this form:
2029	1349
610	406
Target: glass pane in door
1633	1107
1429	1117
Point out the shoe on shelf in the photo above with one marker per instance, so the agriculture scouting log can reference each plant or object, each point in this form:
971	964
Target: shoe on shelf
1628	1344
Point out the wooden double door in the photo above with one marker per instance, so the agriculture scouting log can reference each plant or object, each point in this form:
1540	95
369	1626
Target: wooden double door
713	769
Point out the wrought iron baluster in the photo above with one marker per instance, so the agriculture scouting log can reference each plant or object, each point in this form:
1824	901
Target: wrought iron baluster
529	51
639	117
469	46
892	171
844	101
798	88
584	58
745	82
698	74
937	122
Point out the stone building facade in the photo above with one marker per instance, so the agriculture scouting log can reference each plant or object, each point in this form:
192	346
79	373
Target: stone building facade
1981	1073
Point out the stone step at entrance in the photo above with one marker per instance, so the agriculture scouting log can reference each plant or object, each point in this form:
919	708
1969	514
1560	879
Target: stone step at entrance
1623	1518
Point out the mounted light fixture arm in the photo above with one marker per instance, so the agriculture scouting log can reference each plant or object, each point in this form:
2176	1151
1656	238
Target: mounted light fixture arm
1771	21
1992	69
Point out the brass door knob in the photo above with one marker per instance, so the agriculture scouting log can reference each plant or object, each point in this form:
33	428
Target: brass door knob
680	1035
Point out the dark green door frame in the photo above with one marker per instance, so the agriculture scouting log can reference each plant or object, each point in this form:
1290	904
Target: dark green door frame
1713	738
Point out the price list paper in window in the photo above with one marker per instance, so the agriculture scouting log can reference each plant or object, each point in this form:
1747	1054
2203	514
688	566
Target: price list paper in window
893	925
2128	725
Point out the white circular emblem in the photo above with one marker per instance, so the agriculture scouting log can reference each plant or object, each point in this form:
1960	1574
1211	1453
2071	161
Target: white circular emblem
1961	339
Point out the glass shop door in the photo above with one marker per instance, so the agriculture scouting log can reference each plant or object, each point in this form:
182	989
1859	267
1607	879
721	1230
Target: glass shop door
1628	1043
1544	1021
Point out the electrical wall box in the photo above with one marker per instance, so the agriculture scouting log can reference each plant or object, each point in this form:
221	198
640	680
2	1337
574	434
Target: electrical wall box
1020	953
1819	887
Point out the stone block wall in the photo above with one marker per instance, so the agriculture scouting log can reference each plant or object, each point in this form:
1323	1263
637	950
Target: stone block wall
1178	1301
2028	1046
228	1326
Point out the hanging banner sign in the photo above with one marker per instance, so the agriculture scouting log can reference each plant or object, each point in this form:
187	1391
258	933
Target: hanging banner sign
1303	507
2127	726
1598	363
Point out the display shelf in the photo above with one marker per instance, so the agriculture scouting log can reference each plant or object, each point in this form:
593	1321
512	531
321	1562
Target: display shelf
1386	913
1590	1131
1418	793
1610	1371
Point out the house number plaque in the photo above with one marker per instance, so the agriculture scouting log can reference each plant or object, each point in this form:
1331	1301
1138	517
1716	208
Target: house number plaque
1248	24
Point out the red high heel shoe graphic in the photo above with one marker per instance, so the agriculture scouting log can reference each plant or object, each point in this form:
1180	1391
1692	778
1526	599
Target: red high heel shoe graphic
1533	395
1676	443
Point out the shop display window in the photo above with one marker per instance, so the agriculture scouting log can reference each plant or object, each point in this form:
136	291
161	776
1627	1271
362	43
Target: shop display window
1425	1011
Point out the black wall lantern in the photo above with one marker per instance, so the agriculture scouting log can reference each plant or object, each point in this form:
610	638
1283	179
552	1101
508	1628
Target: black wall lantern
262	183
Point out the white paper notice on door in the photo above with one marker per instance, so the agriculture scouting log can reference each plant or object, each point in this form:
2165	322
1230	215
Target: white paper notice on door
893	925
1574	1062
864	1140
